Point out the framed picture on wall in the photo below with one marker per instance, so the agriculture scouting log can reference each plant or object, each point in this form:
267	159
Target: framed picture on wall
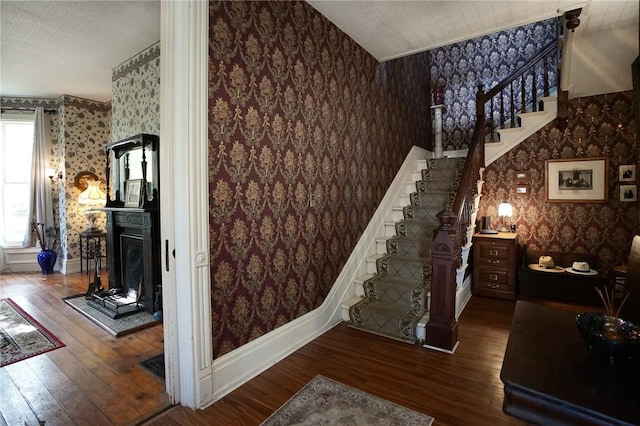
522	177
628	193
522	189
132	193
577	180
627	173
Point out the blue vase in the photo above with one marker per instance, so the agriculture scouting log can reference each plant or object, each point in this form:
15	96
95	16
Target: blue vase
46	260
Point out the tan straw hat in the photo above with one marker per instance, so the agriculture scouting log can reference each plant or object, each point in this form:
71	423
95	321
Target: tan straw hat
546	264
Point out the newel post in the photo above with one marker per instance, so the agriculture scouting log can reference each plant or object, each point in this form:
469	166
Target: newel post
442	328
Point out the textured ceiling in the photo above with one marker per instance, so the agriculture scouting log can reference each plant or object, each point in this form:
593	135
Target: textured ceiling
391	29
50	48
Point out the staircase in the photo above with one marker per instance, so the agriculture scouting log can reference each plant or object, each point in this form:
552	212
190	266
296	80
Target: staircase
395	299
409	295
529	123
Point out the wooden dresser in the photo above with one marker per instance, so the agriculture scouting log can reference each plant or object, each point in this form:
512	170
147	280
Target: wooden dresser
494	265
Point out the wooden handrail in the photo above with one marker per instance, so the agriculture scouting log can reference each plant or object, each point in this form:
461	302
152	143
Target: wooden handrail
518	72
451	236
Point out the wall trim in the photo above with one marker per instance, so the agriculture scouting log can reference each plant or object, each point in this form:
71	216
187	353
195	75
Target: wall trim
70	266
19	259
185	214
237	367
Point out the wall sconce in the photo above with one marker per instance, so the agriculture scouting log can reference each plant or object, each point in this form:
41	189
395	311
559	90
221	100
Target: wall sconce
92	196
52	175
504	210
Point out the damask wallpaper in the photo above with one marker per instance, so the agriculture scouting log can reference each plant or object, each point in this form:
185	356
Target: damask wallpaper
598	126
79	129
85	129
135	103
306	132
487	60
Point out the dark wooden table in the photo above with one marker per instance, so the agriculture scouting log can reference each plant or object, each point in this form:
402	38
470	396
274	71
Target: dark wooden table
551	378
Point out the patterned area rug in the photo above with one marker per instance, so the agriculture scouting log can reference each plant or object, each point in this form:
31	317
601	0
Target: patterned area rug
21	336
116	327
325	402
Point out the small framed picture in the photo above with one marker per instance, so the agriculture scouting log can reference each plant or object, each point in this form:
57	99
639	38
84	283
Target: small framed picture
628	193
522	189
132	193
522	177
627	173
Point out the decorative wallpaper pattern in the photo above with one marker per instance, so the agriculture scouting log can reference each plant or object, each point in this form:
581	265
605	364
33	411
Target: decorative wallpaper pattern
136	95
85	130
483	60
306	132
79	129
598	126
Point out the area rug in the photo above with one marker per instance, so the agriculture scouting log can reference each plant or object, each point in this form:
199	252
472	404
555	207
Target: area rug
21	336
323	401
155	365
116	327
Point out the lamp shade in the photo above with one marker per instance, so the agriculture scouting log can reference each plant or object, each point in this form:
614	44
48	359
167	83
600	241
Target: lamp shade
505	209
93	195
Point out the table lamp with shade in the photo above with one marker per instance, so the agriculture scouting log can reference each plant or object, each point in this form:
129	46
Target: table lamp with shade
504	210
93	197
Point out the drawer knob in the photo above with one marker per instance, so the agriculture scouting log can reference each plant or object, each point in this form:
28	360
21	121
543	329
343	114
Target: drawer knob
493	252
493	277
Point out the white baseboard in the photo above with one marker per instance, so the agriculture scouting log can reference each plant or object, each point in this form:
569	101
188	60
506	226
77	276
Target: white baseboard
19	259
70	266
463	295
241	365
25	260
232	370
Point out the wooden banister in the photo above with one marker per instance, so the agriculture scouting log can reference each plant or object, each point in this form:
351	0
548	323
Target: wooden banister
455	220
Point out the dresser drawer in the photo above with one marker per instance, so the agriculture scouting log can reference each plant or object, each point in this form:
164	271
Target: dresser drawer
494	265
493	286
501	277
494	253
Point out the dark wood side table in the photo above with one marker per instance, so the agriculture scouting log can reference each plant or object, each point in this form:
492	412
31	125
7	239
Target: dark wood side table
93	241
495	258
551	378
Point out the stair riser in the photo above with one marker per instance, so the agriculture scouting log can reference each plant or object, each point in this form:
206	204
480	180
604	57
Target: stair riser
439	199
438	175
406	296
413	229
436	186
422	214
405	247
414	270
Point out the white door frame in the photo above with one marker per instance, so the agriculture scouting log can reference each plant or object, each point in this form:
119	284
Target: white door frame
184	202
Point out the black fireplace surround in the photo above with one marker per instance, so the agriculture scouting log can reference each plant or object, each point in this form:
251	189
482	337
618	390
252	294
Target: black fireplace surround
133	231
133	253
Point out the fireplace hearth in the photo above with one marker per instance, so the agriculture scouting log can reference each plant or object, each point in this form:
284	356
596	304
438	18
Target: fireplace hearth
116	305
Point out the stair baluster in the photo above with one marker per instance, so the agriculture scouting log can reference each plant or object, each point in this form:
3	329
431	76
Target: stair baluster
455	219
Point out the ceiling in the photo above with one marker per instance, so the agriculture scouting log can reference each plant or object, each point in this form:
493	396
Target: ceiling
50	48
54	48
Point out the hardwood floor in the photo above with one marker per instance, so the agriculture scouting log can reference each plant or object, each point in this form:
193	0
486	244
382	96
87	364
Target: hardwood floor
459	389
94	380
97	380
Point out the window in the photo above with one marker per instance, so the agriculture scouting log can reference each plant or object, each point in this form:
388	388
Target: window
16	152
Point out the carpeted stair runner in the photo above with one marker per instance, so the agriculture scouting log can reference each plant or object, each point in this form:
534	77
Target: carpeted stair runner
397	297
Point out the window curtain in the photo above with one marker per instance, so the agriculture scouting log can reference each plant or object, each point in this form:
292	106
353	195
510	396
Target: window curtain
41	205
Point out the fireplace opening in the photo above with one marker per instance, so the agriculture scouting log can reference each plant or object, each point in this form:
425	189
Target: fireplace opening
127	297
